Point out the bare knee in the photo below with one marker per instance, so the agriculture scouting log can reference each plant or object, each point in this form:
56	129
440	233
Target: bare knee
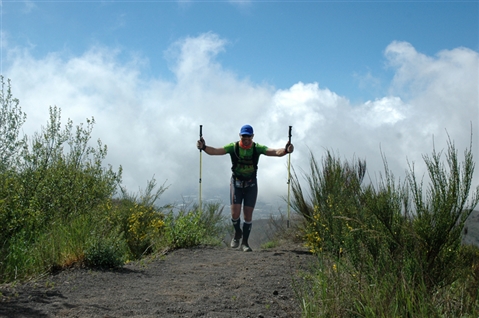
248	213
235	211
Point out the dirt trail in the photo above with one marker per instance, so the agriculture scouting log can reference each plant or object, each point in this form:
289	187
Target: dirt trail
198	282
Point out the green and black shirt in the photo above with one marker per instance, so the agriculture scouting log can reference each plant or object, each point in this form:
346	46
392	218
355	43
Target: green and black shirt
244	161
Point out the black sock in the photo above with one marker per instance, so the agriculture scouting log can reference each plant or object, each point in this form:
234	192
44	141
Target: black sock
246	231
237	227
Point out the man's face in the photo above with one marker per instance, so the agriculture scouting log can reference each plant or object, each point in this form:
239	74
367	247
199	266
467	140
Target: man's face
247	140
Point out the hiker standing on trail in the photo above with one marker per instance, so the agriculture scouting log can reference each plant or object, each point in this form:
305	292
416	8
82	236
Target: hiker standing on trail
243	187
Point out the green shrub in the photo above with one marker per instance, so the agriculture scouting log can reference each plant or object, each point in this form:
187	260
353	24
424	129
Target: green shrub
396	250
334	211
60	183
106	252
439	213
188	228
47	184
145	226
184	230
57	207
11	120
139	218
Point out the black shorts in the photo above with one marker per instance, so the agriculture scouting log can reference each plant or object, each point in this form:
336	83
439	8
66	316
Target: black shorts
243	192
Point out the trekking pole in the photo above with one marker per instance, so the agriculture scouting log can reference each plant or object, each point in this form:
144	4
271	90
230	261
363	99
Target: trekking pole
201	161
289	175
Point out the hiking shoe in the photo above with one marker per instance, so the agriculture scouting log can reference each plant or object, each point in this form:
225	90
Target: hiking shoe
246	248
235	243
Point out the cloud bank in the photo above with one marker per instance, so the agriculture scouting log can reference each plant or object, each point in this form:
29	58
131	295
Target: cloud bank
151	125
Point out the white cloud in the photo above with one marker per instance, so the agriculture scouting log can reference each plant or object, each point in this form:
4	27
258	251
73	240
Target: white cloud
151	126
442	91
384	111
195	56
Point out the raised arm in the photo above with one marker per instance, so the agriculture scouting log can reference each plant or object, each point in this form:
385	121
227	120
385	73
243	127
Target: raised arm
280	152
214	151
201	144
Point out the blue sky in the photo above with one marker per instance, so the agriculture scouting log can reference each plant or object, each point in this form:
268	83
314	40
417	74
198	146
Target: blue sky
336	44
337	70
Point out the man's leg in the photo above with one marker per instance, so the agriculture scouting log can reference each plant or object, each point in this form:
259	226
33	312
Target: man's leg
248	222
248	207
235	211
236	220
235	201
248	213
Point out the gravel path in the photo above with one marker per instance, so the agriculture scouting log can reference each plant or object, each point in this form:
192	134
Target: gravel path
199	282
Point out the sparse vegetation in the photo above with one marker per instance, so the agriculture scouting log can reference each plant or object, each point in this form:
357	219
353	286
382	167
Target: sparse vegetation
60	207
389	249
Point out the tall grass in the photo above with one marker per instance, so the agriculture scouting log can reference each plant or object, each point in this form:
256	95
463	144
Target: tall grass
388	249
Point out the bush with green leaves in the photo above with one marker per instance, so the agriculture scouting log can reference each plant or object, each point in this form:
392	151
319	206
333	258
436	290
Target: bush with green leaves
139	218
60	181
394	250
334	207
194	226
59	204
142	225
46	183
106	252
11	120
439	213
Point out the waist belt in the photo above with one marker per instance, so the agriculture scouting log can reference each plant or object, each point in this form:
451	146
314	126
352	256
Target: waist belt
243	183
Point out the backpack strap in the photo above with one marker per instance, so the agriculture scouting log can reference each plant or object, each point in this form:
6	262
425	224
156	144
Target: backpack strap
236	159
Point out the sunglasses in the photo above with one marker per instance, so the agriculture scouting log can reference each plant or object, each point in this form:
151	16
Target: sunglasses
246	136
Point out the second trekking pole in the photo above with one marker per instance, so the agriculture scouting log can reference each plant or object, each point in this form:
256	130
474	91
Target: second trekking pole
201	152
289	174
